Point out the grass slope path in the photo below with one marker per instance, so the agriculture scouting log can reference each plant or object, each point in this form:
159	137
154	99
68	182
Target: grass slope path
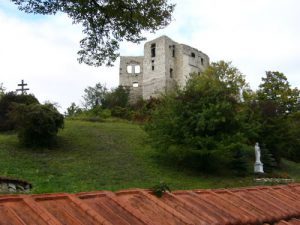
100	156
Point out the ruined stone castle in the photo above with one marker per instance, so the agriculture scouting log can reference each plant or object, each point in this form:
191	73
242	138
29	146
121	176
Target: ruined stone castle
165	64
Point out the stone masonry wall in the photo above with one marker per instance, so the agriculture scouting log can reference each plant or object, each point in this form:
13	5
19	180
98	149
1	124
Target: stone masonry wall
171	66
132	79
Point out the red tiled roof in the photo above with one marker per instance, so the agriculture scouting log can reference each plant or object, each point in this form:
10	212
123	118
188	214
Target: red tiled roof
255	205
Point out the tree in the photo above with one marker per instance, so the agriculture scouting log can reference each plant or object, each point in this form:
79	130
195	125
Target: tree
233	79
37	124
118	97
2	90
73	110
94	96
106	23
277	102
276	90
206	123
6	104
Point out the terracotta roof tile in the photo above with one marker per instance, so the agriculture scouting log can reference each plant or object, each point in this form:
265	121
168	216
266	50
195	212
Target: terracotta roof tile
277	205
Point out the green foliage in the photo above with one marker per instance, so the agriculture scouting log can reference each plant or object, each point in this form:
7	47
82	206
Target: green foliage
2	90
277	106
106	23
292	139
206	121
103	103
94	96
142	109
117	152
276	90
159	189
73	110
239	163
124	113
118	97
6	103
268	160
37	125
229	75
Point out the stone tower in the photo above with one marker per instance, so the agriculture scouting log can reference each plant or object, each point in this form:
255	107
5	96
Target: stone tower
165	64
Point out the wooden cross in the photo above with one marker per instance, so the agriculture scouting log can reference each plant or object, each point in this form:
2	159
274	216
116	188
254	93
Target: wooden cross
22	89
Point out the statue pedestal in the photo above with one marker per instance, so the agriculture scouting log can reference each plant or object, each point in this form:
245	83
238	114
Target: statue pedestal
258	167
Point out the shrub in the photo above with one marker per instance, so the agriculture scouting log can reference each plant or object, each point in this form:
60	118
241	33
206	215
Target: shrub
6	103
105	113
37	125
120	112
118	97
268	160
73	110
239	162
204	123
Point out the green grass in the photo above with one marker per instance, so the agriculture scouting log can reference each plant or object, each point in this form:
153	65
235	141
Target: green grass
102	156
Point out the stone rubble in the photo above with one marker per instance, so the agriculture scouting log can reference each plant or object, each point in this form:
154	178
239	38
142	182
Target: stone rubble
14	186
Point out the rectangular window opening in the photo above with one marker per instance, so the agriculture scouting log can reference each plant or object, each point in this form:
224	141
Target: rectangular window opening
173	51
153	46
152	61
135	84
202	61
171	73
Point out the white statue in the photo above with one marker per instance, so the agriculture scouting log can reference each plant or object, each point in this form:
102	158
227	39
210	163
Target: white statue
258	166
257	153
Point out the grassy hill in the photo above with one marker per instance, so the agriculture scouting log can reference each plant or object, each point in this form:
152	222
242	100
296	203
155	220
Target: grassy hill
103	156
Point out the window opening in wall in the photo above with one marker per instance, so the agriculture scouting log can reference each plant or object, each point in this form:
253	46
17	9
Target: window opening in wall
172	48
202	61
193	55
133	69
152	61
135	84
129	69
153	46
171	72
173	51
137	69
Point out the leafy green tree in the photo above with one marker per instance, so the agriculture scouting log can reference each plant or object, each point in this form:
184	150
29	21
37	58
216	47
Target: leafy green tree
118	97
94	96
205	123
73	110
2	90
6	103
37	125
229	75
276	90
276	101
106	23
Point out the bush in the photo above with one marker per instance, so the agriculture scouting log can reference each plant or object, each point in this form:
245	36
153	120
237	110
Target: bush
205	123
268	160
143	109
239	163
37	125
123	113
118	97
6	103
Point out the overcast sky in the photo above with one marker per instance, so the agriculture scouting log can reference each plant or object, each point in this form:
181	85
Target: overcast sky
256	35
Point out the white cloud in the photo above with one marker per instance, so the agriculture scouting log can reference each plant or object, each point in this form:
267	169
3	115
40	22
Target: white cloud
43	53
257	35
